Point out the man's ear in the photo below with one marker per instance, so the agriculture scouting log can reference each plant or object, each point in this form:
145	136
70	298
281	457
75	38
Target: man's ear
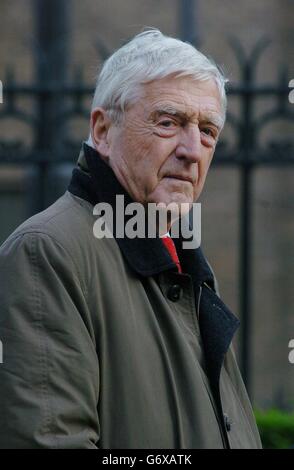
100	124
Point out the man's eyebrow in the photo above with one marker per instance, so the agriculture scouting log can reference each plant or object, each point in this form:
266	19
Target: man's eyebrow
169	110
215	120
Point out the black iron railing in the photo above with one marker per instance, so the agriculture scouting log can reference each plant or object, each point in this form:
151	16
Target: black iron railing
54	102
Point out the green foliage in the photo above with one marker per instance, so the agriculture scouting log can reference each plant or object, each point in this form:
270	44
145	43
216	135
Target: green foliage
276	429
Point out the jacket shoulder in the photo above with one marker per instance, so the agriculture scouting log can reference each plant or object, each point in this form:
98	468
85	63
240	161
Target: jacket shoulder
68	221
67	225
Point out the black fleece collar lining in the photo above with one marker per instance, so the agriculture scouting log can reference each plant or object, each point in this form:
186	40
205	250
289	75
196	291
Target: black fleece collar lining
96	182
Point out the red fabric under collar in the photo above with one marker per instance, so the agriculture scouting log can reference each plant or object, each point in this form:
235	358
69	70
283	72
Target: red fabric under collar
170	246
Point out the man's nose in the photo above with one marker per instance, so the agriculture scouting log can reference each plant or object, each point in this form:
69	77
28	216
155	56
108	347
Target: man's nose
189	146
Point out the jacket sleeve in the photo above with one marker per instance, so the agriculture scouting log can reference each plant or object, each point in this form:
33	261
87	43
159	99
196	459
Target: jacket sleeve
49	370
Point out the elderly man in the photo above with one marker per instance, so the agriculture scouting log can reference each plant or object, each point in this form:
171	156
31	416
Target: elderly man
123	342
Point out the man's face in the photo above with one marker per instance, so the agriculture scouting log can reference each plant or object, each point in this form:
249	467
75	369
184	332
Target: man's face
162	150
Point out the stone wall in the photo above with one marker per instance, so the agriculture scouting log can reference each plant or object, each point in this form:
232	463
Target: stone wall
107	23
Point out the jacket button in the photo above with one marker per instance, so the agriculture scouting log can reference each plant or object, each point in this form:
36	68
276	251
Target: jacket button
174	292
227	423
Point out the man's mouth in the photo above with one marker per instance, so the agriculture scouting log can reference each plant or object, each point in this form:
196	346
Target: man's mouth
188	179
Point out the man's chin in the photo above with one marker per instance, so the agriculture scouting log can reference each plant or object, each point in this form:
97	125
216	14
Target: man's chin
171	197
175	207
181	204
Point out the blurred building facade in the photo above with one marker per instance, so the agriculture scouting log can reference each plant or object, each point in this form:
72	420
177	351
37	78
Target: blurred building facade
97	27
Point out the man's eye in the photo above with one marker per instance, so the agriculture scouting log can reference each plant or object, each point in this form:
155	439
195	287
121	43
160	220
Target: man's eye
211	133
208	131
166	123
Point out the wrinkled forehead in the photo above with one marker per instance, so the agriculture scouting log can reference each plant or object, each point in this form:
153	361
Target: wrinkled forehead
183	97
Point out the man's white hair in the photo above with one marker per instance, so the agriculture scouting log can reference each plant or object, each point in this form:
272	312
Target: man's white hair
150	56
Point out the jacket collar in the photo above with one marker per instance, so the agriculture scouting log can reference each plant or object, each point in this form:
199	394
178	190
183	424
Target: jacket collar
94	181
